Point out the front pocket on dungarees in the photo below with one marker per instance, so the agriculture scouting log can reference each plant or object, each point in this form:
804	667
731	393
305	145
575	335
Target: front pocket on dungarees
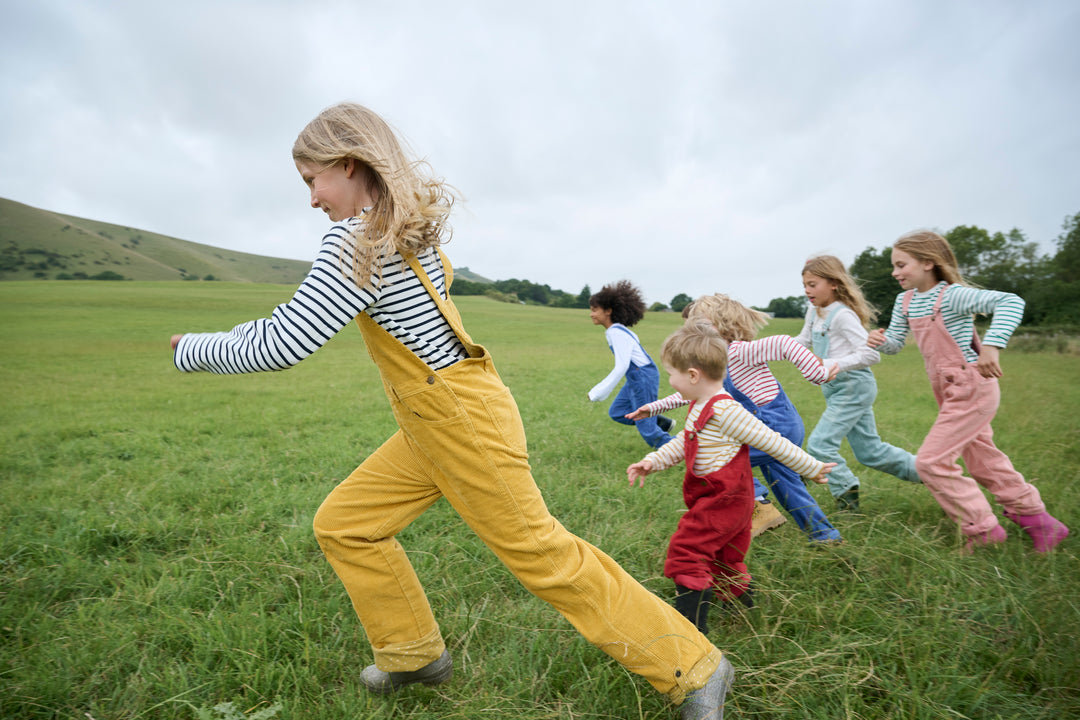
958	384
430	400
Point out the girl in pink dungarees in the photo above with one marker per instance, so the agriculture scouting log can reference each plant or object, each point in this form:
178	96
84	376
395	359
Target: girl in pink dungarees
939	310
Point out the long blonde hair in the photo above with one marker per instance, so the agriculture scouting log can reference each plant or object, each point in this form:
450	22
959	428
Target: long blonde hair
411	208
829	267
732	319
928	246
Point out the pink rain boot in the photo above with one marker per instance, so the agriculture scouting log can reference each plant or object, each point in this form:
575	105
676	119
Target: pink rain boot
1045	530
993	536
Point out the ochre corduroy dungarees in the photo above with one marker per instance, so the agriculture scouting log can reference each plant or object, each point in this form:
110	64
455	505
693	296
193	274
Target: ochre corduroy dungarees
460	437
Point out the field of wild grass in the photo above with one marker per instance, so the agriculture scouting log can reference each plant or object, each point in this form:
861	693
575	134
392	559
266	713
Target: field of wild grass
158	560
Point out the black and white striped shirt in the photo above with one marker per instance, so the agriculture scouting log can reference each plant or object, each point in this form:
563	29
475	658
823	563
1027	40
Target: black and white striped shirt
325	302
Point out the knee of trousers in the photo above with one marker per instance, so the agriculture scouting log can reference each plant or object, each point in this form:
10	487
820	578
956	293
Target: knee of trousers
929	464
820	446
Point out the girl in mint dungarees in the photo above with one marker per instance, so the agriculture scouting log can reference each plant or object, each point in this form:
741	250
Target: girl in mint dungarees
835	330
938	309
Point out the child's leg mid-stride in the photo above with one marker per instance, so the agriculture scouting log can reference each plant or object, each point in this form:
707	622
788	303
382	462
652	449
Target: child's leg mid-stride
787	486
962	429
708	549
790	491
873	452
847	399
357	523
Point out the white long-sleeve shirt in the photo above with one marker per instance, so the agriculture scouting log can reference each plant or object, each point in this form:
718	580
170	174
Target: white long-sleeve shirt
731	427
327	300
847	338
627	349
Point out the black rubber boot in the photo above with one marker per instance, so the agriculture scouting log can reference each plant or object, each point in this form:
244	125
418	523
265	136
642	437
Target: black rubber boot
694	606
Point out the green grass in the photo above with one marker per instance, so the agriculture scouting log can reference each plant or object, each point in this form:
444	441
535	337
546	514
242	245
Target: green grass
158	559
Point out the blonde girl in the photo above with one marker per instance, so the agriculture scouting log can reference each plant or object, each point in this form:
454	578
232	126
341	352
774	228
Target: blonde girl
750	381
836	330
938	308
460	436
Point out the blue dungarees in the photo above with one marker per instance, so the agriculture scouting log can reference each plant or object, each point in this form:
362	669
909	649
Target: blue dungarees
780	415
641	387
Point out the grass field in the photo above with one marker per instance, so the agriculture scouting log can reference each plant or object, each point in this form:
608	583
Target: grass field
158	560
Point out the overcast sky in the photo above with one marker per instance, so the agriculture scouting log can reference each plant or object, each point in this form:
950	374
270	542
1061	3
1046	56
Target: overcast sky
690	147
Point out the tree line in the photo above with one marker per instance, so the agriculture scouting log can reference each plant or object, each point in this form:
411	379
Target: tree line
1050	284
997	261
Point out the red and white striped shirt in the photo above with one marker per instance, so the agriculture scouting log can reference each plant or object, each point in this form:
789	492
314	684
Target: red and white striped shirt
750	373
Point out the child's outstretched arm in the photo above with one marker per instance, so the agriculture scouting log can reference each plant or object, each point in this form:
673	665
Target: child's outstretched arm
638	471
667	455
622	346
655	408
732	420
822	477
784	347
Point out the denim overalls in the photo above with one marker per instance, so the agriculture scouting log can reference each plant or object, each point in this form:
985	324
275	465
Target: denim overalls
849	413
790	490
641	387
461	438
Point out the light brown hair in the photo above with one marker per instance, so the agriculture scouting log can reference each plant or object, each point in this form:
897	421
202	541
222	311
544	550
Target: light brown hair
696	345
411	208
733	320
928	246
829	267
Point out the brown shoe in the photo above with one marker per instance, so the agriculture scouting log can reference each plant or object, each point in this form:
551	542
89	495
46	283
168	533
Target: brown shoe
766	517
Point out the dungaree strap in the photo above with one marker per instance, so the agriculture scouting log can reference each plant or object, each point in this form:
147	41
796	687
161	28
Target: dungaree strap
736	394
829	318
627	331
448	310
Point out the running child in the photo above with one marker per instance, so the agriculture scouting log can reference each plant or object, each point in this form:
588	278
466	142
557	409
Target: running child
750	381
708	550
938	308
836	330
460	435
617	308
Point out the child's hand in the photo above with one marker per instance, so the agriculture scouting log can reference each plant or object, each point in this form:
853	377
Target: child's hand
875	338
640	414
833	372
987	364
175	341
638	471
822	478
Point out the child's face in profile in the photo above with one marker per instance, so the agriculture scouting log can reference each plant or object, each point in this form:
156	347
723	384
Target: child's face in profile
338	190
600	316
819	291
912	273
680	381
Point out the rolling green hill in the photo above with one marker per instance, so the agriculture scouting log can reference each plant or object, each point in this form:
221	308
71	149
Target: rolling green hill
39	244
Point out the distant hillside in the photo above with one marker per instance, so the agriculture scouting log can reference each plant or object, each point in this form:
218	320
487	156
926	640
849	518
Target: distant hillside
39	244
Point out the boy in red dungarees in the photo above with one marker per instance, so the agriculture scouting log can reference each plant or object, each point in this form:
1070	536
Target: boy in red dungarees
708	550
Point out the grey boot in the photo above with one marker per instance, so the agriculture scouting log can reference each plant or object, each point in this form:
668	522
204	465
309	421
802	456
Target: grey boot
707	703
384	683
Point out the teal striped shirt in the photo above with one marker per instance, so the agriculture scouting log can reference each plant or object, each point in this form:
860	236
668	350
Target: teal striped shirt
958	311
